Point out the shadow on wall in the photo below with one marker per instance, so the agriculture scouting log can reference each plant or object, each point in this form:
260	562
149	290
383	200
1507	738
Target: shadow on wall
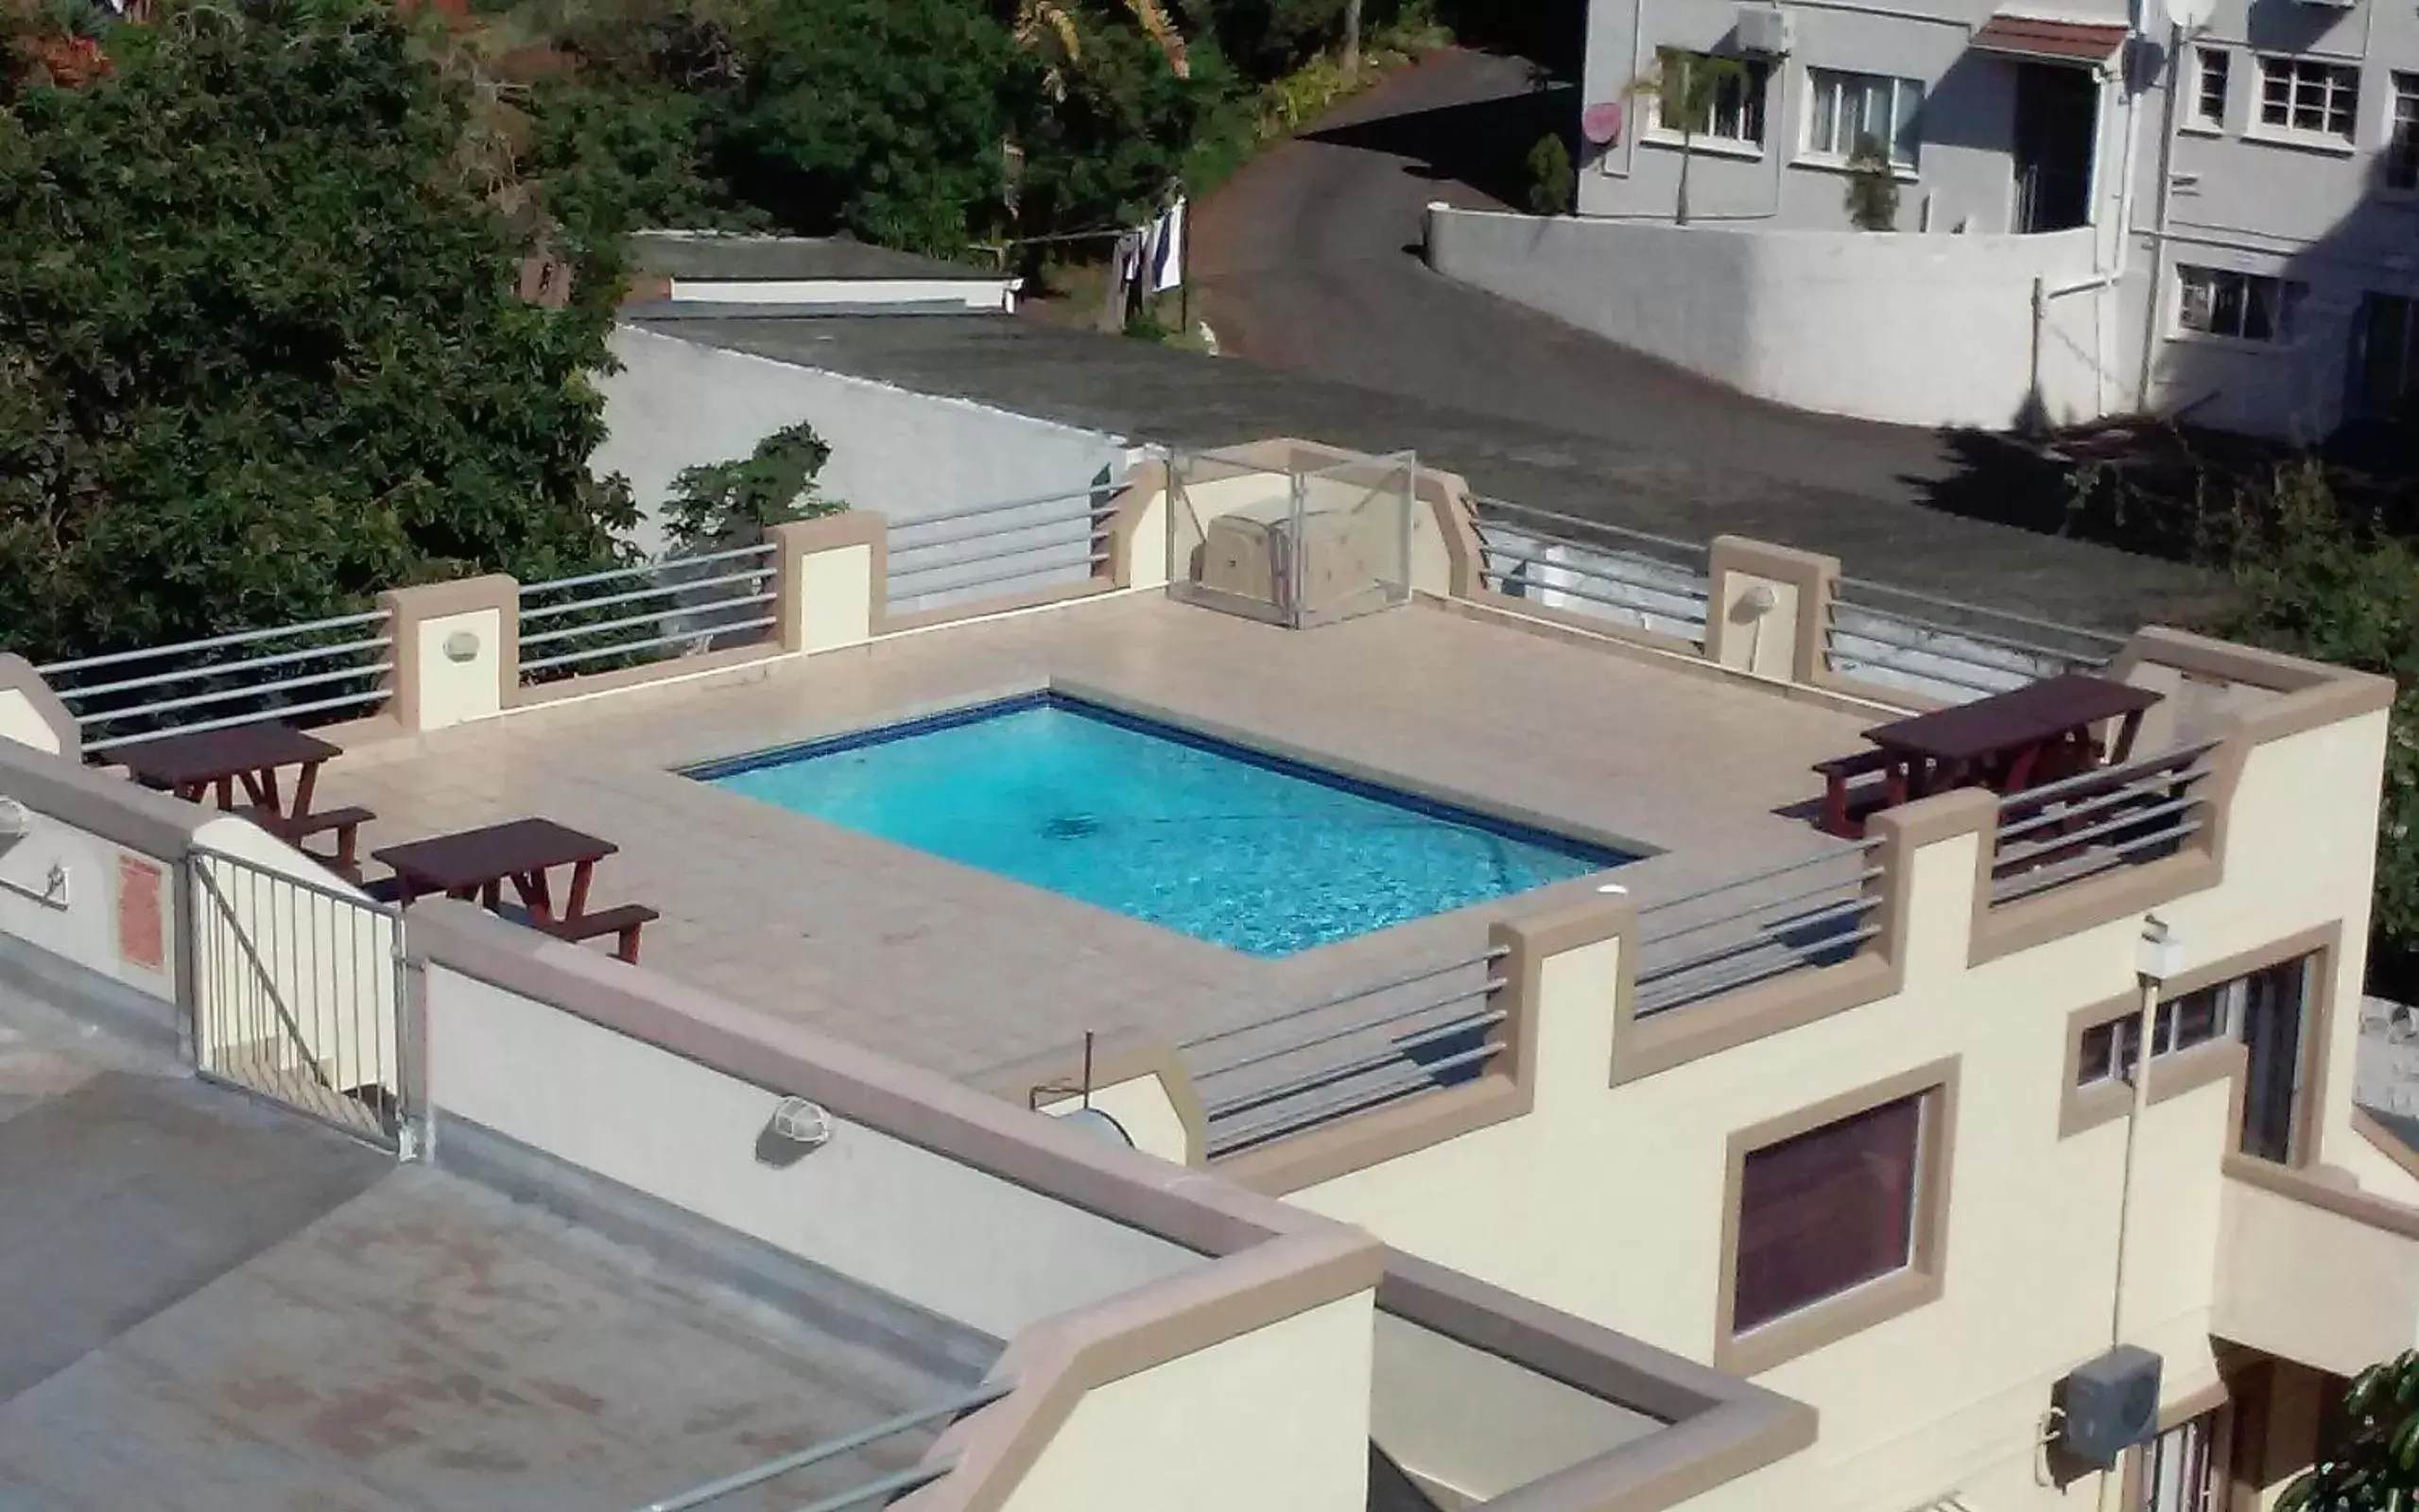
1483	144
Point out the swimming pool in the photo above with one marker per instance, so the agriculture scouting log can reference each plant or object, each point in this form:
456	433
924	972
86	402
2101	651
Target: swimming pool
1244	849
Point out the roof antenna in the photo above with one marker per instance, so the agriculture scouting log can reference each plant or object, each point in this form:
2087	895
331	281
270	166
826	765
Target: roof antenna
1087	1068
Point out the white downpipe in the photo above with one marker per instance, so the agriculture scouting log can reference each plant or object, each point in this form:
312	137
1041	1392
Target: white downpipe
2163	202
2104	324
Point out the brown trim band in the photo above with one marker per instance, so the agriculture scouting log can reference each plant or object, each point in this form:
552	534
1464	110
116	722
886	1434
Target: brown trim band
125	812
2385	1142
2327	1190
1828	1320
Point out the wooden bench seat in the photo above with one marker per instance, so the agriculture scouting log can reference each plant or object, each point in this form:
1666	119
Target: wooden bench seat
344	822
623	922
1852	791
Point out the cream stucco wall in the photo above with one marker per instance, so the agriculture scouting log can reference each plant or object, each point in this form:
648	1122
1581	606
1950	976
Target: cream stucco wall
456	693
1607	1202
1275	1417
22	722
835	599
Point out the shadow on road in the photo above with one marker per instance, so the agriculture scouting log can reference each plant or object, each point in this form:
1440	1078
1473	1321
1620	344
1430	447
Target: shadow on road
1483	144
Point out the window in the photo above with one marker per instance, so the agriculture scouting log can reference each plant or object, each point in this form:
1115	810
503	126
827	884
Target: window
2210	88
1848	107
1827	1210
2388	361
2402	144
2219	302
2304	95
2181	1466
1727	94
2196	1019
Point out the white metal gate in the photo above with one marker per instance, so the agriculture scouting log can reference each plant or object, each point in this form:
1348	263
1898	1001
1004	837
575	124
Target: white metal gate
298	988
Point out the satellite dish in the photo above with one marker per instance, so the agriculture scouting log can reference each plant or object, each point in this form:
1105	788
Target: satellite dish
1601	124
2190	16
1099	1124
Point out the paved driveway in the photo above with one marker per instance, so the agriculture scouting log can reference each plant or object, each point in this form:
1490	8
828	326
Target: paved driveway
1308	261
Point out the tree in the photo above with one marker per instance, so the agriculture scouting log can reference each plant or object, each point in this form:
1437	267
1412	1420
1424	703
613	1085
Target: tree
260	350
716	504
1872	186
1551	181
2373	1464
1687	89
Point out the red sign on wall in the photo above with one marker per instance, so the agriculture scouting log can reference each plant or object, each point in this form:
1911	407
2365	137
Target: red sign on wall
140	935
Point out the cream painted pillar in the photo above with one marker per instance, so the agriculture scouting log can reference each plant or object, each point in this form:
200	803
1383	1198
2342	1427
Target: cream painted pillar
457	651
31	715
1933	857
1138	529
1563	981
1770	609
831	575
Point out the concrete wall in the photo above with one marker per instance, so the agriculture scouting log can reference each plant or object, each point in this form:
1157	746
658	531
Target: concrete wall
1608	1201
678	403
972	1248
1910	329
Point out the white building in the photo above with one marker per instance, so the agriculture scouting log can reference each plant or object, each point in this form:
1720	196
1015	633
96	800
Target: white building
2099	212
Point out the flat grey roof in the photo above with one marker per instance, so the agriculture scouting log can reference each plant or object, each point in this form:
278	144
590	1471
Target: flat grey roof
1161	395
698	255
209	1305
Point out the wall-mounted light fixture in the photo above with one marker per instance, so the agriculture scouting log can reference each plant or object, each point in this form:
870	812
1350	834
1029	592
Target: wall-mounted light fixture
462	645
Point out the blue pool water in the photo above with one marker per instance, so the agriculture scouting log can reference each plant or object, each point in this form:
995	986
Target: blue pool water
1245	851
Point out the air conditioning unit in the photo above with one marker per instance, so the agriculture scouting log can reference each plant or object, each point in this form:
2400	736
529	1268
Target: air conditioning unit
1766	30
2109	1405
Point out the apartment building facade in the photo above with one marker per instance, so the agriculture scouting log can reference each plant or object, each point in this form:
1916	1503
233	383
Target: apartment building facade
2196	210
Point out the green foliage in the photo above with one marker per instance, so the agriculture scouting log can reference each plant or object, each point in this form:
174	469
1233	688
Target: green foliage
260	353
2318	582
1872	186
614	158
719	504
1687	88
1551	181
1104	149
2373	1464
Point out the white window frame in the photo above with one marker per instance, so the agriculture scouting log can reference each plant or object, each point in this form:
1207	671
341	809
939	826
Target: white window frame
1756	89
2182	1468
2289	294
2227	1029
1832	154
2401	149
2330	79
2198	118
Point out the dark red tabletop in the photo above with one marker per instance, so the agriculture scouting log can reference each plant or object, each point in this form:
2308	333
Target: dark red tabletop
476	857
205	756
2008	721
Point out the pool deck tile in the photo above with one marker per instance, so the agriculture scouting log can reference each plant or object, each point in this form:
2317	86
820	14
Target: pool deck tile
963	971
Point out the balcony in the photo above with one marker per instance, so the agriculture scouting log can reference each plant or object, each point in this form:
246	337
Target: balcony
2312	1269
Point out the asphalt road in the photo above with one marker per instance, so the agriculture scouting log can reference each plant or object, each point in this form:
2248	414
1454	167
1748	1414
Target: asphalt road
1308	261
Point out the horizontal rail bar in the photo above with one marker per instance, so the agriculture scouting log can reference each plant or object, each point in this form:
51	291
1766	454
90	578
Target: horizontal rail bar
555	585
1093	560
981	1396
891	1485
1492	984
1847	909
1002	507
2025	884
549	610
219	668
1592	570
1693	547
349	700
1092	521
2013	677
1345	1070
2094	802
296	882
2146	767
1854	852
1425	973
1794	959
1960	631
222	695
622	647
2017	855
1697	620
1799	896
2115	642
1423	1080
653	616
1069	544
212	643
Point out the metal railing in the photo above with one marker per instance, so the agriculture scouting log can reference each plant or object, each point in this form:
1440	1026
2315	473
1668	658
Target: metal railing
1949	649
310	673
297	987
896	1482
1565	561
2115	816
1015	540
1812	912
1380	1043
627	616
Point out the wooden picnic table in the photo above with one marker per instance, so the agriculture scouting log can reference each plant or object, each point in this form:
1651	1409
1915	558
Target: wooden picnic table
476	864
2008	742
190	766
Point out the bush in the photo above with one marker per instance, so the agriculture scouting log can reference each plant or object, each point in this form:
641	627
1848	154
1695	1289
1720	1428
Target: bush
1872	187
1551	182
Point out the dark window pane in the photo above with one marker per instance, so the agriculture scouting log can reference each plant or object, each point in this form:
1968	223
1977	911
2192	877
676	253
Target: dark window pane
2096	1060
1827	1210
2198	1016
